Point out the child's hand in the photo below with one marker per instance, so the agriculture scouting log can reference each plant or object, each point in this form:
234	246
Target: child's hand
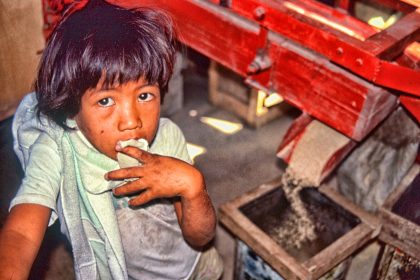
162	176
158	177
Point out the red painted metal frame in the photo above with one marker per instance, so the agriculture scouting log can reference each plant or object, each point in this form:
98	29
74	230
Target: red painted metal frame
364	58
322	60
306	79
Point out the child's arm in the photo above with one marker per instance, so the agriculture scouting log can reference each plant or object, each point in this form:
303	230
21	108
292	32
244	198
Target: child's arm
162	176
20	239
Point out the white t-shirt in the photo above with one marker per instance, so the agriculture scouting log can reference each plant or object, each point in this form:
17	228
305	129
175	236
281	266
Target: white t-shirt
154	247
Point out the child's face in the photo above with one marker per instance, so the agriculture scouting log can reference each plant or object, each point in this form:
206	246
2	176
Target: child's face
128	111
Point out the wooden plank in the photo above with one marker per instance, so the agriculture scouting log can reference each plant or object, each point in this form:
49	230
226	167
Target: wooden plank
222	79
286	265
228	91
224	100
376	107
395	195
396	264
391	42
398	231
342	248
411	56
367	218
255	193
256	239
405	6
262	244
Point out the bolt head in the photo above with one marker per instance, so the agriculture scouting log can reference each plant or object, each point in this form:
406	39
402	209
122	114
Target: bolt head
259	13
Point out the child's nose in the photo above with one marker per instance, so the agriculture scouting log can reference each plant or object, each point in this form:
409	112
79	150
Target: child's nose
129	118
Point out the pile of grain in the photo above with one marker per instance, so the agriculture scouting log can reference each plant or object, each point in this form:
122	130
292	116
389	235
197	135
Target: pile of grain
297	226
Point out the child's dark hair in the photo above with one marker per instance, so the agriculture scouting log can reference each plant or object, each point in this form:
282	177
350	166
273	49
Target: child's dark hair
103	41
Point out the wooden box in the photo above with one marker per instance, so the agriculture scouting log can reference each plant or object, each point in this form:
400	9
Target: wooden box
400	215
395	264
228	91
341	232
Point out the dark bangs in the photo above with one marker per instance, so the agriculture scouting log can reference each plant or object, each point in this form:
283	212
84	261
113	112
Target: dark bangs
103	41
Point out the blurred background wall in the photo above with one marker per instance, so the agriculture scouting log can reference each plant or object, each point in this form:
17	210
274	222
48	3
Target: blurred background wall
21	41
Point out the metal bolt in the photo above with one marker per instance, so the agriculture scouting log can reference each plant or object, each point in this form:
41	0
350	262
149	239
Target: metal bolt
259	13
359	62
253	68
340	51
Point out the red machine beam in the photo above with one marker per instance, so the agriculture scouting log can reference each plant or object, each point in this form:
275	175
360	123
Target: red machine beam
307	80
405	6
262	31
391	42
212	30
331	19
285	18
327	92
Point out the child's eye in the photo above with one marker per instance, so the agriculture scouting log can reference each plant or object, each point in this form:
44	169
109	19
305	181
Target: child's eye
146	96
106	102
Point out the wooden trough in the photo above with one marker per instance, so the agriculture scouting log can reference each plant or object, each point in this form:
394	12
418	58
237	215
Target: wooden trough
401	223
400	216
342	228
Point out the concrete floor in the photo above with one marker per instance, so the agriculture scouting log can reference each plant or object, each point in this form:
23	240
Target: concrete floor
232	165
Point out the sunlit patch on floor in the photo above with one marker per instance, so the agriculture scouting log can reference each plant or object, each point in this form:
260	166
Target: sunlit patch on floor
224	126
195	150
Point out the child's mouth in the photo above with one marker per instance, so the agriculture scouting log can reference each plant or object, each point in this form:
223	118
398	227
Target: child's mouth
127	161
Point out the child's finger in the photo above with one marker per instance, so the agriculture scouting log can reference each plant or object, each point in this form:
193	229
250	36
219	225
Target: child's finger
129	188
136	153
141	199
125	173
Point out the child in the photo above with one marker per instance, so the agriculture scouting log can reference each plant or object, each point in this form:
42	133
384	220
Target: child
101	81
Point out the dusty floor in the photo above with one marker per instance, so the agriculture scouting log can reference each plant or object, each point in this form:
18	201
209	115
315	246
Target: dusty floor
232	165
